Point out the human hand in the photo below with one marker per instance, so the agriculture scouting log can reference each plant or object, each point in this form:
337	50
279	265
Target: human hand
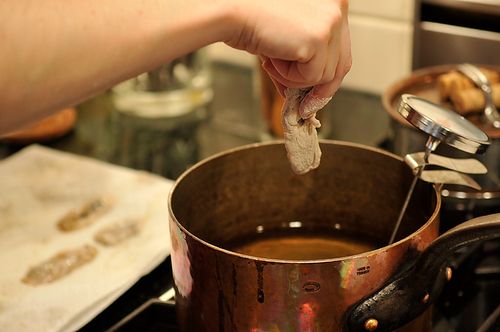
301	43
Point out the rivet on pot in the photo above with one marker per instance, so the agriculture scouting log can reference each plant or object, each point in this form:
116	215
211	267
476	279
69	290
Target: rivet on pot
371	324
311	286
426	298
449	273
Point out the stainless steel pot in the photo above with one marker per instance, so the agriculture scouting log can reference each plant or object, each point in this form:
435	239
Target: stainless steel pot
249	192
407	139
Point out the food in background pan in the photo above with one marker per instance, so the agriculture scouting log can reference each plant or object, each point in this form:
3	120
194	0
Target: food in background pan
84	216
47	129
463	94
59	265
118	232
472	100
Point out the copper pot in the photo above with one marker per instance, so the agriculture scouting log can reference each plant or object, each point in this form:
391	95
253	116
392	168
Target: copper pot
249	192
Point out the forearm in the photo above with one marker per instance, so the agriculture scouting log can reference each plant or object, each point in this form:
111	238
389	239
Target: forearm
75	49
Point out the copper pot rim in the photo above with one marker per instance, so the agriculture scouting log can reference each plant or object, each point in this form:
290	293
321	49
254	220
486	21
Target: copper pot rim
428	223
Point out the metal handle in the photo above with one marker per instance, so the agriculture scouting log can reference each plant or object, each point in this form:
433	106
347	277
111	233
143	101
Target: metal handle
475	74
468	166
410	293
453	166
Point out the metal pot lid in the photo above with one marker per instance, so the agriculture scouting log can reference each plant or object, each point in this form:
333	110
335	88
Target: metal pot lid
443	124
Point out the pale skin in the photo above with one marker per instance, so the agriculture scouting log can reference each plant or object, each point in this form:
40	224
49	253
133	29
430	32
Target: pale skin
58	53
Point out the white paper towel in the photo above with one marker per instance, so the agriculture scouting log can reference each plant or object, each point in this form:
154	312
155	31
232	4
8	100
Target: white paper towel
37	187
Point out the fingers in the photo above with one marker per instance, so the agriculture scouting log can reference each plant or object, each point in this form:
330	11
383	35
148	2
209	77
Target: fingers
298	74
279	87
320	58
311	70
276	76
320	69
320	94
330	88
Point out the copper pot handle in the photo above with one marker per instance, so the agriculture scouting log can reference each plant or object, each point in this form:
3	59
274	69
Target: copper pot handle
410	292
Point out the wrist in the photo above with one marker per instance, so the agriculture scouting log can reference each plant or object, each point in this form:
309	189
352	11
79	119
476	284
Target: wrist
229	19
192	24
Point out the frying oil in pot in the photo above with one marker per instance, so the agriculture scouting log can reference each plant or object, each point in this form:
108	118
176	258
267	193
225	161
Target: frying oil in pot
301	244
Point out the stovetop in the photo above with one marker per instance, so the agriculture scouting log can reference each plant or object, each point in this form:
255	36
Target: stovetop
469	303
469	299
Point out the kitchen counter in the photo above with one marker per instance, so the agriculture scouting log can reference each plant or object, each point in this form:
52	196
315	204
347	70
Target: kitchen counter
233	118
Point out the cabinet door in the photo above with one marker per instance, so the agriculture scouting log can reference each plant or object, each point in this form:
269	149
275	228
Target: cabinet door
400	10
381	52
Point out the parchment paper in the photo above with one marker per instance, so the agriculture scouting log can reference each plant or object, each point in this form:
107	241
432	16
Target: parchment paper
37	187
